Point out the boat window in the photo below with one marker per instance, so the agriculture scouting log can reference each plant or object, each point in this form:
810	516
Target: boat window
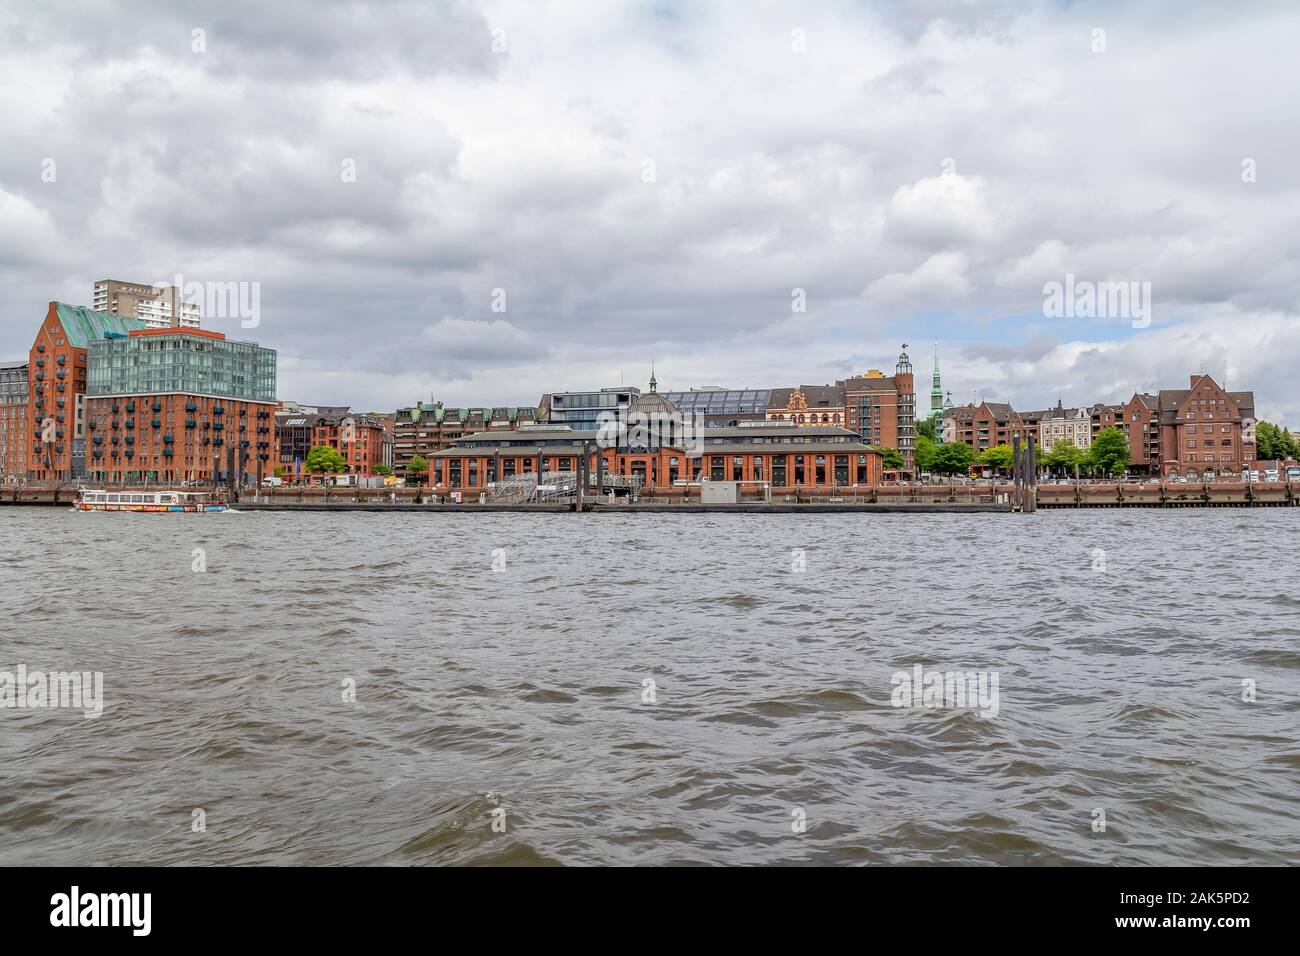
112	498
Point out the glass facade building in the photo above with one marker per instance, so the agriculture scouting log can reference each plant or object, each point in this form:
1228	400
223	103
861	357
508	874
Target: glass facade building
583	410
722	407
159	364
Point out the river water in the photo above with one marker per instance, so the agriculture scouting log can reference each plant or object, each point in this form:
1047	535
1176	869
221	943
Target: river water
638	688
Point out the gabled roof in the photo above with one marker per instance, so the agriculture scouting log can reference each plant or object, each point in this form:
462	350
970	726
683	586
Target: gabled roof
82	325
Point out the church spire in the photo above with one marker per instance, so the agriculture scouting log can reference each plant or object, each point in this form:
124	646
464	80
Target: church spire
654	386
936	391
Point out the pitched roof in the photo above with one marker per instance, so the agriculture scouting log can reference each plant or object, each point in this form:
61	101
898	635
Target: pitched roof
83	326
817	396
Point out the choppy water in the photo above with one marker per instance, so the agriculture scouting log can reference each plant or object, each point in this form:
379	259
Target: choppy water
522	690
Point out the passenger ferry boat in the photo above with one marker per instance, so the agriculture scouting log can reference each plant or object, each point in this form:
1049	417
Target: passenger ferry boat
197	502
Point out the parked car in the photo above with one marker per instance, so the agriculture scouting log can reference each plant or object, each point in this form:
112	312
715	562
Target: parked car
271	481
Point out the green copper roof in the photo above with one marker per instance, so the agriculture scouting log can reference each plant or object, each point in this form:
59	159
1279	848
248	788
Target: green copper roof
83	325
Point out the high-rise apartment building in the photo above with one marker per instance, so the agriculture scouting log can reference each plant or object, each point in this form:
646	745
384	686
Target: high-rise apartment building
157	307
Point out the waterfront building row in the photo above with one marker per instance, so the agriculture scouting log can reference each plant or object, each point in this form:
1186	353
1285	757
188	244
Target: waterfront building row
1203	429
111	398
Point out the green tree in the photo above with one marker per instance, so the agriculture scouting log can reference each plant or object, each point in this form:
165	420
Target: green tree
1109	452
1064	457
1273	442
999	456
953	459
924	454
418	467
383	470
891	458
925	429
324	460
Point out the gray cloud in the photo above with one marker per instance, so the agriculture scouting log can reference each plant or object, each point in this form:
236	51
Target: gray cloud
524	168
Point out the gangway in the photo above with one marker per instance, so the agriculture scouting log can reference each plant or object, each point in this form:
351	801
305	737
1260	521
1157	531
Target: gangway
526	488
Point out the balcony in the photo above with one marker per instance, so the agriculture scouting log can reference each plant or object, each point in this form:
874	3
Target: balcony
218	442
167	452
191	423
61	360
219	410
156	423
191	407
156	406
97	440
130	423
130	453
130	406
130	439
168	439
217	426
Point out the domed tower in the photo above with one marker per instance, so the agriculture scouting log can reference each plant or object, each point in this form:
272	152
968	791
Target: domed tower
906	406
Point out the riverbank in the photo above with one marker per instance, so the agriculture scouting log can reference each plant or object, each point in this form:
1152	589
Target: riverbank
884	499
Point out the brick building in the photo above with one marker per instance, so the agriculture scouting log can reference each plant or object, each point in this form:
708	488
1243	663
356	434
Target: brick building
175	404
989	424
818	458
1205	430
56	410
882	409
359	439
425	429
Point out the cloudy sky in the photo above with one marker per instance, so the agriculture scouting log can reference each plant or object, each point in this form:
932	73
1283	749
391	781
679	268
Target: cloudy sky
653	181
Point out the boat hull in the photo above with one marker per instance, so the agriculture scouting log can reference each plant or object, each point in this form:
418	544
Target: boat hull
153	509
